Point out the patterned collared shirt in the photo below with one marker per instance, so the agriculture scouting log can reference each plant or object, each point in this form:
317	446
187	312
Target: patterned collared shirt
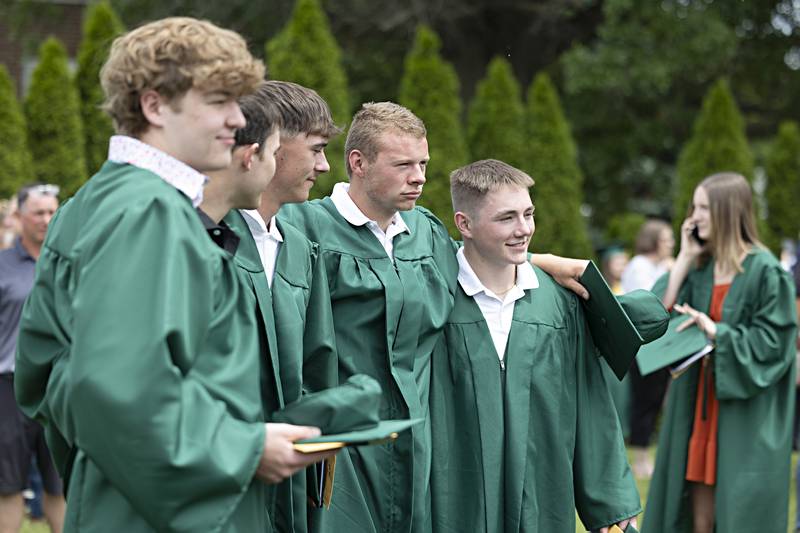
124	149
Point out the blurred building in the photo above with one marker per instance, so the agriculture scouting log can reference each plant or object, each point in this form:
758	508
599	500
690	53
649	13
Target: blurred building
23	31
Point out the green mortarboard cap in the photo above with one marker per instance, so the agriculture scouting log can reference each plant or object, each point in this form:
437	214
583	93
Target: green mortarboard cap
620	326
346	414
646	312
672	347
610	251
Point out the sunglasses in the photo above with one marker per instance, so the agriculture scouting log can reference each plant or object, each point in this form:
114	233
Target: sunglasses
43	189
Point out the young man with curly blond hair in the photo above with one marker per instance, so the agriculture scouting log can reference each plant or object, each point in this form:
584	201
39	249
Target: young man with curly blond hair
139	347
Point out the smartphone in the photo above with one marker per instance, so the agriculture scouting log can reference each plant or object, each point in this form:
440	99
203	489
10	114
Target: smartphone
696	236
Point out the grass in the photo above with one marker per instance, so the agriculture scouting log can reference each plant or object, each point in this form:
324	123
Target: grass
643	484
34	527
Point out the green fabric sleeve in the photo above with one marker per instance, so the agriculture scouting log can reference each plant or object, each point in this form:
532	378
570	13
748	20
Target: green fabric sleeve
320	363
605	491
660	286
753	356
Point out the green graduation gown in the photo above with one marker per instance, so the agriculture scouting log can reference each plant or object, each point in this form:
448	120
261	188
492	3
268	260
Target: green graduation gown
520	448
754	371
297	313
387	317
138	351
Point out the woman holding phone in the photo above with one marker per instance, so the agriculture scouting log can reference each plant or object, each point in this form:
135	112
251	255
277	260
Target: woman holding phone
723	461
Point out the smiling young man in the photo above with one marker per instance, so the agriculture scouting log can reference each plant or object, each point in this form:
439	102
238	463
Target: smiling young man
139	347
270	166
240	186
524	429
291	284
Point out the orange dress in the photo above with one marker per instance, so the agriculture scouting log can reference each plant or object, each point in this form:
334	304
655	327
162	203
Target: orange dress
701	464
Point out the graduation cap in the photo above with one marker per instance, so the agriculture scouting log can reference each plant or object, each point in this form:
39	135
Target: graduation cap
346	414
687	345
610	251
620	326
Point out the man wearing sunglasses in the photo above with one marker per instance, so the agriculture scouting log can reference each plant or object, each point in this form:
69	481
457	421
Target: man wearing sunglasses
20	437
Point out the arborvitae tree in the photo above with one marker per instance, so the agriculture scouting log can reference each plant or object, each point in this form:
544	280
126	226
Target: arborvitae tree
429	88
623	227
306	52
495	123
100	27
551	159
718	144
783	184
15	160
55	132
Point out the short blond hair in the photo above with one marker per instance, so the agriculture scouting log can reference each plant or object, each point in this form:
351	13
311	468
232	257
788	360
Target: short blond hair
374	119
171	56
469	184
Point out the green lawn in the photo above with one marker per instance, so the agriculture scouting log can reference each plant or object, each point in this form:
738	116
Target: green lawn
34	527
41	527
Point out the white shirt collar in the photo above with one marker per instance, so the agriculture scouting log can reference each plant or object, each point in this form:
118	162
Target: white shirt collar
351	212
258	227
127	150
469	281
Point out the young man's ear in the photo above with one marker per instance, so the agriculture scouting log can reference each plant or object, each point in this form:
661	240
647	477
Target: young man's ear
247	153
152	104
463	224
358	162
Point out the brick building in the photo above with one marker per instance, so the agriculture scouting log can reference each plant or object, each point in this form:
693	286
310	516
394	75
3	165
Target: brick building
19	46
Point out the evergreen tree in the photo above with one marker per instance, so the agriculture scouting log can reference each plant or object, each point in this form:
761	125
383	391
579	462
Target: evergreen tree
622	228
718	144
306	52
15	160
495	121
100	27
783	184
55	132
430	89
552	162
631	94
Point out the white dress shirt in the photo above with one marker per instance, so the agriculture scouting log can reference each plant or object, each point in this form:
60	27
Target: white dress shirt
498	311
124	149
641	273
268	240
351	213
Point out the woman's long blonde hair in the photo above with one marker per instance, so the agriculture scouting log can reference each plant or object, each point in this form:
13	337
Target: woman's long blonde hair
733	221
